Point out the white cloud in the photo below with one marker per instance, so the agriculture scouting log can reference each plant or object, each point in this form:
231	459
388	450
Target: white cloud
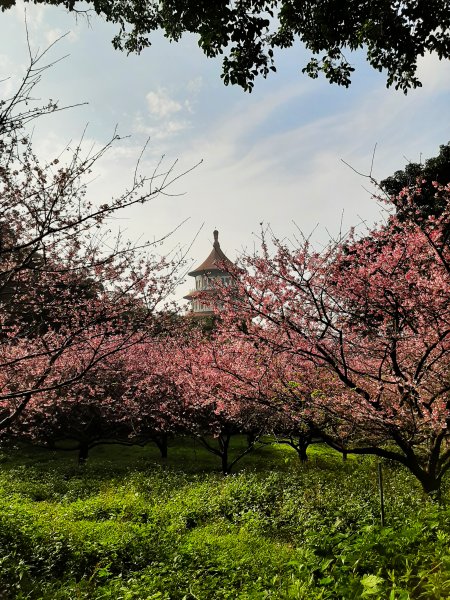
163	130
195	85
7	82
165	120
188	106
161	105
175	127
254	172
52	35
31	14
5	62
433	73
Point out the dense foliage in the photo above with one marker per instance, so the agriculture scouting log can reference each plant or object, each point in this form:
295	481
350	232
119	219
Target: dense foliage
365	324
125	527
394	34
349	346
421	175
72	294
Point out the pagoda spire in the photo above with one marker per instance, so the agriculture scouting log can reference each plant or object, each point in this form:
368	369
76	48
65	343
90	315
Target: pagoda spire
211	271
216	244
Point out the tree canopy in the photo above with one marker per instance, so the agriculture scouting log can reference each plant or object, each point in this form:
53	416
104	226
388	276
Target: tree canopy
71	294
422	175
393	33
365	326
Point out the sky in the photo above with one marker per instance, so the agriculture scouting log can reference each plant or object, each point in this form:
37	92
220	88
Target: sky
276	156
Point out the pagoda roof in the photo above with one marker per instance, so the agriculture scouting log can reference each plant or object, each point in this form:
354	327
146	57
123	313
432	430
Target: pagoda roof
215	257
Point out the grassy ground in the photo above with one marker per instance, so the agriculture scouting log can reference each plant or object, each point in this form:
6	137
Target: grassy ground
127	526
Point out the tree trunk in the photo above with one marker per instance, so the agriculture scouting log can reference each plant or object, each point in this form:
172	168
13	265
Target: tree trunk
301	446
224	443
301	451
251	438
161	442
431	485
83	451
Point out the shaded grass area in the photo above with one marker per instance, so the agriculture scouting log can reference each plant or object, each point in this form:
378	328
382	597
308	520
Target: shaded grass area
129	525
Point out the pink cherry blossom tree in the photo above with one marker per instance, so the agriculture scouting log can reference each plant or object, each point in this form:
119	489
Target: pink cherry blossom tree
227	387
367	324
91	411
128	398
156	406
67	284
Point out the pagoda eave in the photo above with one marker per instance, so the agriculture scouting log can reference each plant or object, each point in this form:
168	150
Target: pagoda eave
200	314
207	271
199	294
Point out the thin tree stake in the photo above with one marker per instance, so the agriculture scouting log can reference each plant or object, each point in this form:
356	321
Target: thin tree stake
380	487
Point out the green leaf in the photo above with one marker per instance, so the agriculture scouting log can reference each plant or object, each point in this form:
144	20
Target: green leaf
371	585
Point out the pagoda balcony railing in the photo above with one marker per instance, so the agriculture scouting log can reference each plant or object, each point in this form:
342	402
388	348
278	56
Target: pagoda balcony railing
199	291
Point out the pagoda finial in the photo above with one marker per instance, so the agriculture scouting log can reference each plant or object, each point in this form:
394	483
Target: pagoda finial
216	239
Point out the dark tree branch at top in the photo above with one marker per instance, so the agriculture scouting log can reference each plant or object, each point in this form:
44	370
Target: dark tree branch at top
393	33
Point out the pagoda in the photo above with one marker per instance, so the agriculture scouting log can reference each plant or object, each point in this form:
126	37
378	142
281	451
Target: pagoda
207	275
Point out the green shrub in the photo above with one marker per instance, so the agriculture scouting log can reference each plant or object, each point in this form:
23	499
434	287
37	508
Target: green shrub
127	527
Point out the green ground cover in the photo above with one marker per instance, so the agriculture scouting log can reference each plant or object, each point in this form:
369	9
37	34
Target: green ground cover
127	526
